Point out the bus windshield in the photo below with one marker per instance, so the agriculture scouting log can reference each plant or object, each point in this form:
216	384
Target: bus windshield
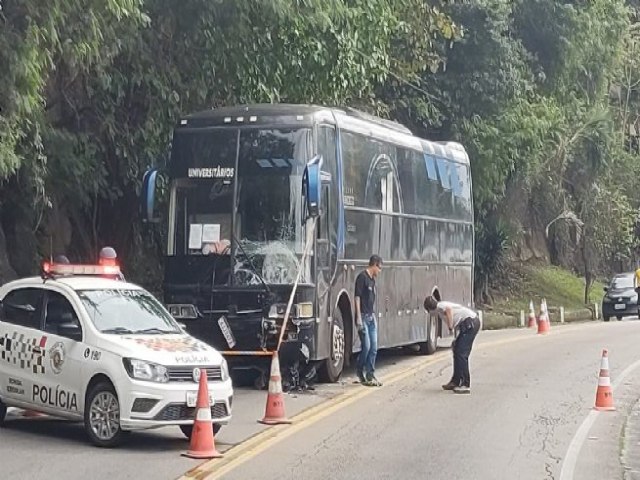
269	204
268	200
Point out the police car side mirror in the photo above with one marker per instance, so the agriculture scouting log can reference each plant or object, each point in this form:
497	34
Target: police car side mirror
70	330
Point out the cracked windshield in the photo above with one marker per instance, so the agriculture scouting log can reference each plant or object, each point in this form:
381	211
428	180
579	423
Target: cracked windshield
269	228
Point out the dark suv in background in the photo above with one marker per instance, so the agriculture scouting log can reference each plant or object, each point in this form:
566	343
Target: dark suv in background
620	298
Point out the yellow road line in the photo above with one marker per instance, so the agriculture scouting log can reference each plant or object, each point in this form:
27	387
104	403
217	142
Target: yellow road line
264	440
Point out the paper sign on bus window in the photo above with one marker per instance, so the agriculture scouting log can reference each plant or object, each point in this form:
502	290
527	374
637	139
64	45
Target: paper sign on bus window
195	236
443	171
430	162
211	233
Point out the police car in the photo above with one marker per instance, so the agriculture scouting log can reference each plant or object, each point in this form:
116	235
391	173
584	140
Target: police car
77	343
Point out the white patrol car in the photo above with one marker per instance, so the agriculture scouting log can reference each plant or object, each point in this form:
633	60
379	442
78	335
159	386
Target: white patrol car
76	345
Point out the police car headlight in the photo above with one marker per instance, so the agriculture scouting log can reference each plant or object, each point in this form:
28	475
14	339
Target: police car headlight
141	370
224	370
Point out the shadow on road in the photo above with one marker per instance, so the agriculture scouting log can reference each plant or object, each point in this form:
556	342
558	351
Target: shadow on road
64	432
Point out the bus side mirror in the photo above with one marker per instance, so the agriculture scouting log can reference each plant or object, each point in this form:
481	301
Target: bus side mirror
312	187
147	196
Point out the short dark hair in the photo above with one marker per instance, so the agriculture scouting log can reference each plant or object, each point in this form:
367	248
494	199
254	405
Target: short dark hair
430	303
375	261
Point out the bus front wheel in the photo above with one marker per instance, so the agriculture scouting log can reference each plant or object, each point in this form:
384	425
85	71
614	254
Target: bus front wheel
332	367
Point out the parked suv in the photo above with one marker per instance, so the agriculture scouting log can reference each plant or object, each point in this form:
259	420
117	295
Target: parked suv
620	298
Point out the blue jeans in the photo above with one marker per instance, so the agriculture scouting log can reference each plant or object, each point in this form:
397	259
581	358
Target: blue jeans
369	342
461	351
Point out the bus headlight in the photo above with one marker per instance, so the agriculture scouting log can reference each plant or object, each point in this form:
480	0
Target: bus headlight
304	310
183	311
298	310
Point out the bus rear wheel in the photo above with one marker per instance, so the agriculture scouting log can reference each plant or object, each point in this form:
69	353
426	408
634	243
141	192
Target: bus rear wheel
429	346
331	368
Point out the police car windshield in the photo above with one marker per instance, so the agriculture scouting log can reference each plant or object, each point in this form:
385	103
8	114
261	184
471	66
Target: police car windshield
123	312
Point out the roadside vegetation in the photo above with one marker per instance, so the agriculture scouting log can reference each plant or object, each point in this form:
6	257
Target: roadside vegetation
558	286
544	94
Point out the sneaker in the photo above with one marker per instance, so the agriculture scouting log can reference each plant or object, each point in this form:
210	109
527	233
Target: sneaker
374	382
449	386
361	377
462	390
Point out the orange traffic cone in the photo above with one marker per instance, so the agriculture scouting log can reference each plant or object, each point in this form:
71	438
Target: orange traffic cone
202	443
532	315
546	313
274	413
543	321
604	393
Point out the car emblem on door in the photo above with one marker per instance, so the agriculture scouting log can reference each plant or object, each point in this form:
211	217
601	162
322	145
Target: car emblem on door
196	374
57	355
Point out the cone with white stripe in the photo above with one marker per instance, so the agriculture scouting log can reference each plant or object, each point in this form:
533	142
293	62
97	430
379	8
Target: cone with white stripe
202	443
604	393
543	320
274	412
532	316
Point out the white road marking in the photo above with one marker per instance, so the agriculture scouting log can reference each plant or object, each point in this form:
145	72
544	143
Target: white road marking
571	458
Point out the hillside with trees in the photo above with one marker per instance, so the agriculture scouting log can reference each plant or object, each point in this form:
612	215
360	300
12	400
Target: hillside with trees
545	96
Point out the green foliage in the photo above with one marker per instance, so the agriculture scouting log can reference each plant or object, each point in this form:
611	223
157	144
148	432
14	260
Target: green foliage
492	243
93	89
544	94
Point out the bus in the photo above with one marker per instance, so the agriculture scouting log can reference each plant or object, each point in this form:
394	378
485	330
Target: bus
239	219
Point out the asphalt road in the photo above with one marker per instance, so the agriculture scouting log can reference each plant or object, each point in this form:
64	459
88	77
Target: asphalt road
48	448
531	395
529	416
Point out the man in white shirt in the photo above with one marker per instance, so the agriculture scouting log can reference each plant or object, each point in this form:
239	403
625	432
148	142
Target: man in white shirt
466	324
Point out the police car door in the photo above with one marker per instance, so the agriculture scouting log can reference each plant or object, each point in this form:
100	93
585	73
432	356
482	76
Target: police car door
22	344
60	389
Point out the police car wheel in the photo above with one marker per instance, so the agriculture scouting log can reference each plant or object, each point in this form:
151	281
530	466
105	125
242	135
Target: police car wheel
187	429
102	416
3	412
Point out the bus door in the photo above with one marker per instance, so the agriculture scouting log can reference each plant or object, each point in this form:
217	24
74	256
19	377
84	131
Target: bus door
325	261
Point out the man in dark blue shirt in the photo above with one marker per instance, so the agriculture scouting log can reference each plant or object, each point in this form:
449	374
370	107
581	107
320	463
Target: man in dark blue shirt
365	299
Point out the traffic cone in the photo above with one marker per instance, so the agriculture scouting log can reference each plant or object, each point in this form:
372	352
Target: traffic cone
274	412
546	312
604	393
202	443
532	315
543	321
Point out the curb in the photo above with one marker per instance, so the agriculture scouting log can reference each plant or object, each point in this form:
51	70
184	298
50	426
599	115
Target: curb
499	321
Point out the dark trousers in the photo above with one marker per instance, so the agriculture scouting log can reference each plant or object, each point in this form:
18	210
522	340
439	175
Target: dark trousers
462	350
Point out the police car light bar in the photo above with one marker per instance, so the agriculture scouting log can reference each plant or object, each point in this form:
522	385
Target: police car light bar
49	268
